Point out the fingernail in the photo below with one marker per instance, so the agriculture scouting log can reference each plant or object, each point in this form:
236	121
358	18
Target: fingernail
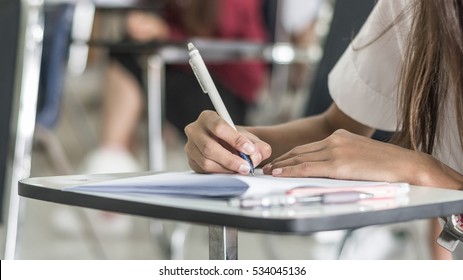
267	168
244	169
248	148
257	158
277	171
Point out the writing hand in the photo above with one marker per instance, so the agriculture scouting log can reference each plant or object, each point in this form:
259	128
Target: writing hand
212	146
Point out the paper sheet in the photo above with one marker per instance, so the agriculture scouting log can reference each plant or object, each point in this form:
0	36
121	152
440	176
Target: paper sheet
212	185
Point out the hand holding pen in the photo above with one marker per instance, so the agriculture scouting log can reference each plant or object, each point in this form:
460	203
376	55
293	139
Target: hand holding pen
207	140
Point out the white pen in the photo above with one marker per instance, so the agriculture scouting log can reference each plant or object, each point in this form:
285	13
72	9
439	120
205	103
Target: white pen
208	86
269	201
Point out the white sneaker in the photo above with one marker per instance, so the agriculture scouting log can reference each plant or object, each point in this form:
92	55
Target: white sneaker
106	160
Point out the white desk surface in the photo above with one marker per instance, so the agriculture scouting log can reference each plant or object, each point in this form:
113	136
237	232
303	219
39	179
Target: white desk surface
420	203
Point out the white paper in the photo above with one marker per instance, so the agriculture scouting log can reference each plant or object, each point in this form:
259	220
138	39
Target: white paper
212	185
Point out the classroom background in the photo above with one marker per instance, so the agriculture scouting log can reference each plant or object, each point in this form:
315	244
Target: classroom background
52	231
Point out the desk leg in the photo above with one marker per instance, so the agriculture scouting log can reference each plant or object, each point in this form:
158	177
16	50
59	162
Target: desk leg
223	243
155	74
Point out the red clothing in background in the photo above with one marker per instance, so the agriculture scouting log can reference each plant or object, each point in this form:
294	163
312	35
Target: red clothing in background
237	20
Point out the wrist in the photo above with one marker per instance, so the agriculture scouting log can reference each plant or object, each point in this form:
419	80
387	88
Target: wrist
433	173
422	173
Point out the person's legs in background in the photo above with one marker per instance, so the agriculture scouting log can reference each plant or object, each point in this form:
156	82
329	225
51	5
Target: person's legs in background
122	108
123	104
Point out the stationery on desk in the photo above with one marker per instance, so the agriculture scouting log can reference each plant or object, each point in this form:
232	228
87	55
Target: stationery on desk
269	201
251	191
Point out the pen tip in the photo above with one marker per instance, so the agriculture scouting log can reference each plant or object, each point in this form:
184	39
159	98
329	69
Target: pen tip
191	46
252	172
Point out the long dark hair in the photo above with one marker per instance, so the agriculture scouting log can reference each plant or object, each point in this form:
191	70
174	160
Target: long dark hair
432	72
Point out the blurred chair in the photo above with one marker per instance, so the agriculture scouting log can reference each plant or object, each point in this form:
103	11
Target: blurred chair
58	22
21	26
31	86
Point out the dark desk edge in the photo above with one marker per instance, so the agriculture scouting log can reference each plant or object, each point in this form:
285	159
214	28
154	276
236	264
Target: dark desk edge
250	223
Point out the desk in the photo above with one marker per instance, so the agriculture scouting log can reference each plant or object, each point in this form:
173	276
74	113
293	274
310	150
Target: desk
225	220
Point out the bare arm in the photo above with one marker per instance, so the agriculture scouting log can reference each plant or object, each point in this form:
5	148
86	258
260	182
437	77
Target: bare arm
328	145
331	145
285	137
212	144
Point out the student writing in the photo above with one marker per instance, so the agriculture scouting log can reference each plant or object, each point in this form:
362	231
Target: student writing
401	73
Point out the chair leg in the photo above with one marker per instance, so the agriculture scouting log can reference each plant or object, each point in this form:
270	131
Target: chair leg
53	150
57	158
23	114
172	244
177	241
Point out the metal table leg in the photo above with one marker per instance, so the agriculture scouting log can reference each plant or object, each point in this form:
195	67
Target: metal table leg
23	113
156	145
223	243
155	83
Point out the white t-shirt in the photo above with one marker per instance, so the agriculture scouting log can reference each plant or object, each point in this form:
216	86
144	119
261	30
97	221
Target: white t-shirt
296	15
364	82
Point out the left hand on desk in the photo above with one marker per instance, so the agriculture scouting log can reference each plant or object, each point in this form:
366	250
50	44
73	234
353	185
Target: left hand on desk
344	155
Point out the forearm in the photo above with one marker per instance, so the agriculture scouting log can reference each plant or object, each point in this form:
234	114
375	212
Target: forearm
284	137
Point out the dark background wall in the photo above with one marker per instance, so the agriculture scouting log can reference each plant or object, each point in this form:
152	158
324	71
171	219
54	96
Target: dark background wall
9	28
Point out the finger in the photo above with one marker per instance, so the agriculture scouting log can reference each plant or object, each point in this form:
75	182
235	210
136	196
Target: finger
263	152
305	169
222	130
201	164
209	153
195	158
308	148
322	155
197	168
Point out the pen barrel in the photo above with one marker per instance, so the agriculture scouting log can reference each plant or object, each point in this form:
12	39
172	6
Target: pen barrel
341	197
268	201
206	82
208	86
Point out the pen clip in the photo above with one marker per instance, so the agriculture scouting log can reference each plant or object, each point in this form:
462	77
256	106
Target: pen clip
195	71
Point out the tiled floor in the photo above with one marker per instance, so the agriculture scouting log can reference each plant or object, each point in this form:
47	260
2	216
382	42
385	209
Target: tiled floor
41	240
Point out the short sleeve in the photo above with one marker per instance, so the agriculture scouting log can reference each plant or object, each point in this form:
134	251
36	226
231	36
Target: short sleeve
364	82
